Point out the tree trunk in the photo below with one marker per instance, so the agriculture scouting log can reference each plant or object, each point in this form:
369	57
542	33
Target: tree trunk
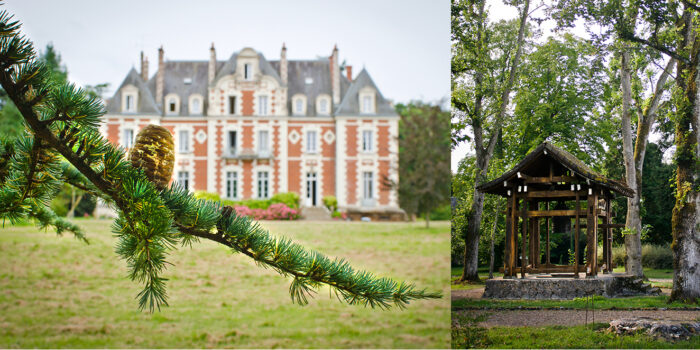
686	212
75	202
483	155
492	253
471	241
633	243
427	219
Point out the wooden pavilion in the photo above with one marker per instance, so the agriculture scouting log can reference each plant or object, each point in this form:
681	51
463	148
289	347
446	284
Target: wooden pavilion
549	174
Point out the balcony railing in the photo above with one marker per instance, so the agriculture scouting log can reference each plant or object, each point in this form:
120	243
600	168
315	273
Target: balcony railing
246	153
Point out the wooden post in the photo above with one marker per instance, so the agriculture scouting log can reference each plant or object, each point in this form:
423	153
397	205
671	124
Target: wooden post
513	234
608	236
547	223
536	232
523	257
591	233
578	229
509	224
531	236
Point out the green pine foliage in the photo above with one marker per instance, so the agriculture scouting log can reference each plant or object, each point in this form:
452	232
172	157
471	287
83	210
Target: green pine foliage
63	144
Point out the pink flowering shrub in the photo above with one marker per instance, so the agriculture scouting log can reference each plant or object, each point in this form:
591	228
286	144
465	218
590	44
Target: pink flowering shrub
277	211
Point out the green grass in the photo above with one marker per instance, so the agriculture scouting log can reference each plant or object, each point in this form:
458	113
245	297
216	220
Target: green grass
59	292
600	302
651	273
467	334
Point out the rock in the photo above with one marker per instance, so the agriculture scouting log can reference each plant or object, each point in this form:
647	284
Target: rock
661	328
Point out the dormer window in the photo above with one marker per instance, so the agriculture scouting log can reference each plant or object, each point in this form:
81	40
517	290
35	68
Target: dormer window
299	105
195	104
323	105
248	71
367	101
130	105
130	98
172	104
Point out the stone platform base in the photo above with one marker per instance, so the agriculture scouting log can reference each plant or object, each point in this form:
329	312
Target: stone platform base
536	287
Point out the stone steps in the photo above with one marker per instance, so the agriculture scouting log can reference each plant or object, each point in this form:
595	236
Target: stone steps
315	214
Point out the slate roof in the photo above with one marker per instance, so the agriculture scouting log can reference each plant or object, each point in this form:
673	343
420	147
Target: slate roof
566	159
146	102
350	103
318	70
320	74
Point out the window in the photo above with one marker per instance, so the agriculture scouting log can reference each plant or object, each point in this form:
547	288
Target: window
263	142
263	185
247	71
367	104
183	179
184	141
129	104
311	142
367	141
299	106
232	105
128	138
323	106
262	105
172	105
231	150
196	106
367	185
231	184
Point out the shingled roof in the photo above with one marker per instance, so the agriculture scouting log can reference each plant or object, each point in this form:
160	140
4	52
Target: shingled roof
565	159
311	78
350	104
146	102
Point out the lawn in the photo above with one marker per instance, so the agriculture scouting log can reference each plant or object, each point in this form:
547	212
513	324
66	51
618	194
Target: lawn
467	335
59	292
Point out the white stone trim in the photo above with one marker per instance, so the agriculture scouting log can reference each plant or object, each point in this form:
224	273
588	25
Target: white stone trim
166	104
329	105
371	93
296	112
133	91
319	139
201	104
340	162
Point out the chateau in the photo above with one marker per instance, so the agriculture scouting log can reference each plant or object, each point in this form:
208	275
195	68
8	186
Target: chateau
249	127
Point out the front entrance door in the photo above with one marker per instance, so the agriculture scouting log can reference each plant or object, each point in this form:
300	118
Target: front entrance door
310	189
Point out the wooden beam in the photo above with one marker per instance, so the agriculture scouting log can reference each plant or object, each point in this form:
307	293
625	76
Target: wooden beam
551	213
540	180
554	194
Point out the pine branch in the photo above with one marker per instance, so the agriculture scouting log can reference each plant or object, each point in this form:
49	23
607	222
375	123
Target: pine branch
152	222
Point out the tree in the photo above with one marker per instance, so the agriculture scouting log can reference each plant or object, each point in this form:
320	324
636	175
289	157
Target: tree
668	28
153	218
481	95
560	93
424	158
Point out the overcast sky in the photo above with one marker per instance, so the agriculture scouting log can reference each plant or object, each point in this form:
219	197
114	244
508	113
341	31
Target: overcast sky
405	45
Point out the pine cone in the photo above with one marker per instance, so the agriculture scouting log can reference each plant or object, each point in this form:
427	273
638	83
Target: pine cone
154	152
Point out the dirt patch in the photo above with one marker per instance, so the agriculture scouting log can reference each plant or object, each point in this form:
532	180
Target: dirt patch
538	318
475	293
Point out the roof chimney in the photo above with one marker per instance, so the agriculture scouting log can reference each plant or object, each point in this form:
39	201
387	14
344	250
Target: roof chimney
212	63
160	78
144	67
348	70
335	75
283	64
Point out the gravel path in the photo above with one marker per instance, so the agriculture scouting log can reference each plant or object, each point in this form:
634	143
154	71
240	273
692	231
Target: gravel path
475	293
536	318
